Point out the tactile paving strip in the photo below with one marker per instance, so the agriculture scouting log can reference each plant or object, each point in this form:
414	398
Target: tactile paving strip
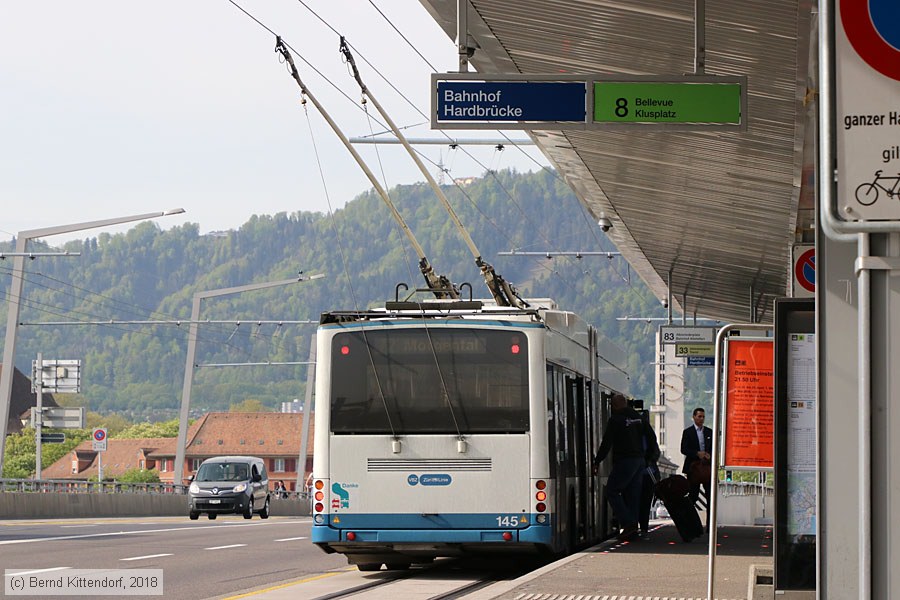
605	597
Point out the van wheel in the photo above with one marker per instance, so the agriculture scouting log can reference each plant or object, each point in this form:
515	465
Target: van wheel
264	513
212	516
400	566
369	566
248	514
193	515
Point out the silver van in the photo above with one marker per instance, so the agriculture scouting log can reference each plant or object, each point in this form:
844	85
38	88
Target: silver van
230	485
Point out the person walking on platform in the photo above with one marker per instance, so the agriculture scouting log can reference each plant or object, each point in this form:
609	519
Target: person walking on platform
624	436
650	475
696	445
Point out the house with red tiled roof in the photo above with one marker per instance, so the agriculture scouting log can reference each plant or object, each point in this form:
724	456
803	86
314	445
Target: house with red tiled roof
83	463
273	437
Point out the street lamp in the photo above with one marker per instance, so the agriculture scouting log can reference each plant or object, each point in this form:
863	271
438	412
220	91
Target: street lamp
15	295
192	352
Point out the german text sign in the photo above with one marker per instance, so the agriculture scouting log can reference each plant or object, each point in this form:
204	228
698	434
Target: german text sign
749	404
502	101
666	102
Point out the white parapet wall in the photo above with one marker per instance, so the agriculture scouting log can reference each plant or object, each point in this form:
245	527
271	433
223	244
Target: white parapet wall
60	505
745	510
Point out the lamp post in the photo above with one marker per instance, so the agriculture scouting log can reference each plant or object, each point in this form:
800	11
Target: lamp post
15	295
192	353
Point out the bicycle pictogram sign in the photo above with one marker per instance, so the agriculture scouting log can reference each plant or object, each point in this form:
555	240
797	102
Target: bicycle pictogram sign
867	193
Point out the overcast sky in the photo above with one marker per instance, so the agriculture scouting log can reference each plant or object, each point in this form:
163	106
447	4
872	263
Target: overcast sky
110	108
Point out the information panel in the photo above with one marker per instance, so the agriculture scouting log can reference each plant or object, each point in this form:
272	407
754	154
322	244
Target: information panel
666	102
749	404
501	101
592	101
796	439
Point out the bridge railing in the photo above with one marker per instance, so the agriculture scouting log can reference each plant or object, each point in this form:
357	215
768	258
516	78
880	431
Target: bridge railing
69	486
88	487
745	488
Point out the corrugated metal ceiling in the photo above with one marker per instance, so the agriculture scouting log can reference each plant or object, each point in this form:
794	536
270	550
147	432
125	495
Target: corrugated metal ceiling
715	212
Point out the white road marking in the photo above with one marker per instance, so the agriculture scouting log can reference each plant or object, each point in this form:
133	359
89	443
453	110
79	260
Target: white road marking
143	557
72	526
37	571
292	539
138	531
223	547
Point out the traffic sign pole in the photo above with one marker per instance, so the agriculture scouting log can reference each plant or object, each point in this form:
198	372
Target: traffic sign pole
39	420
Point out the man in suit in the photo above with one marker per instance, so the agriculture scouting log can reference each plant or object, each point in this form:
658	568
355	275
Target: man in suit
696	444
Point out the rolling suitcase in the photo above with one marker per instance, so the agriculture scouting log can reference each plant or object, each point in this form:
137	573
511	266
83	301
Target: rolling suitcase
674	491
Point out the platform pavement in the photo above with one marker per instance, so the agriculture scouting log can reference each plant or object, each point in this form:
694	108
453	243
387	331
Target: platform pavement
658	567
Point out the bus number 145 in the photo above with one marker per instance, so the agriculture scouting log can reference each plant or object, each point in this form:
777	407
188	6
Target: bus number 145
512	521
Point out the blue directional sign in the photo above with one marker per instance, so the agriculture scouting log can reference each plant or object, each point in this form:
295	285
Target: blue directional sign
510	101
701	361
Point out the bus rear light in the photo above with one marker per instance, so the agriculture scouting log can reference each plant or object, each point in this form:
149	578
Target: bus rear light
540	496
540	507
320	496
542	519
514	348
540	484
351	536
319	507
506	536
319	484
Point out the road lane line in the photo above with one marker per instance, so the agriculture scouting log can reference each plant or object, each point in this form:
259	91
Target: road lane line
223	547
72	526
292	539
20	573
135	532
147	556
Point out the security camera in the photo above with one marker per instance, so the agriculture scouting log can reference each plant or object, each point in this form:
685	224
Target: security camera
605	224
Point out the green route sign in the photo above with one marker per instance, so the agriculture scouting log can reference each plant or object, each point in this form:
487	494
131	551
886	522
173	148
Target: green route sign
667	102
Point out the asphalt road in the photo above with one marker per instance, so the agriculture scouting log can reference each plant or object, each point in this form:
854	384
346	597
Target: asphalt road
199	559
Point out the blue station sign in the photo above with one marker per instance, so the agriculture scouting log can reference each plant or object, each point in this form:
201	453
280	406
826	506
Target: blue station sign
510	101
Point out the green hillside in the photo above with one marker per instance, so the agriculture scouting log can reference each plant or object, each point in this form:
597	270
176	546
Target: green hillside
149	274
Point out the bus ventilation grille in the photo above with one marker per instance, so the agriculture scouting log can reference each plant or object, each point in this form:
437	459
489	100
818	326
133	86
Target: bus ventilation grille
429	464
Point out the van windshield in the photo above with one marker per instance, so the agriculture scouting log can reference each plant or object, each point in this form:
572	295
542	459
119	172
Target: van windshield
223	471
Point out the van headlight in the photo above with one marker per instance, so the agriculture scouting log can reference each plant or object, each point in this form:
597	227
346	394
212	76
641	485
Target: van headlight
194	489
239	487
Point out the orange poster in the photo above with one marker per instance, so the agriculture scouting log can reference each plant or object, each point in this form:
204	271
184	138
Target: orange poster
750	404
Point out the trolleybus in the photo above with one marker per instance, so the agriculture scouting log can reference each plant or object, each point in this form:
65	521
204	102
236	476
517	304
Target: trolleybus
445	428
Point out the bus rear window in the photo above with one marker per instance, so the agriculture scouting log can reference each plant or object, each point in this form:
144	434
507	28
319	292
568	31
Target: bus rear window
434	380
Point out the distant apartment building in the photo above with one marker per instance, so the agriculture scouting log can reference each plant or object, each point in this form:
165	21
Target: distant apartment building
273	437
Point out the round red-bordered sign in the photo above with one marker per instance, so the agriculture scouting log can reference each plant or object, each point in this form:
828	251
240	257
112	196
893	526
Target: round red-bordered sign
805	270
99	434
871	27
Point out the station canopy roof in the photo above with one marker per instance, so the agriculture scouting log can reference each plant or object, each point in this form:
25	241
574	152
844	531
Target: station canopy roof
711	213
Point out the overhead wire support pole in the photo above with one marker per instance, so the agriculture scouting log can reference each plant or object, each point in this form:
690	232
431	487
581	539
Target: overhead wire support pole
15	294
33	255
550	254
504	294
192	352
440	285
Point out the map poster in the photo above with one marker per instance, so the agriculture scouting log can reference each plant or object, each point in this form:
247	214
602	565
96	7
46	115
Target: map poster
750	403
801	434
